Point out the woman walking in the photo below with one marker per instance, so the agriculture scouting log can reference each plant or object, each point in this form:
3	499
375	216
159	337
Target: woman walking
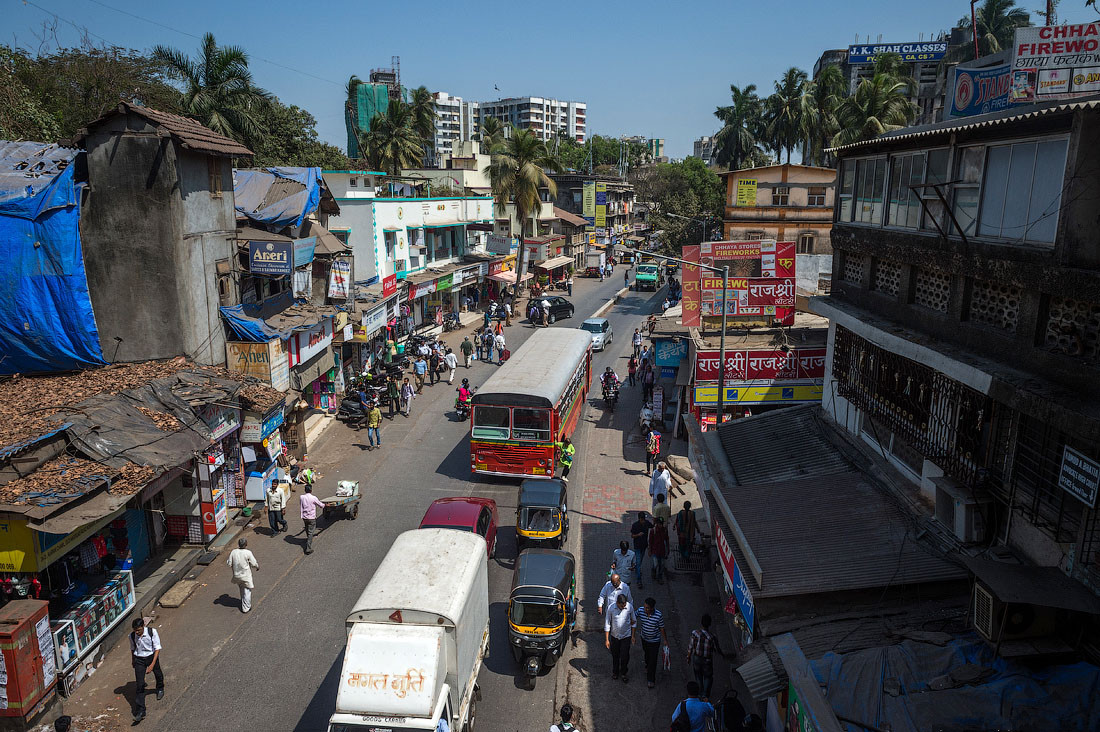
686	527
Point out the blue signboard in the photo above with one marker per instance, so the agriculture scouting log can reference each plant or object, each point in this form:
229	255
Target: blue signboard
913	52
271	257
303	251
978	91
670	352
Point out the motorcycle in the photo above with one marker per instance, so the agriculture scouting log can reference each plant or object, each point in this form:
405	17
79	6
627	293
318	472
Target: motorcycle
611	395
451	322
462	408
561	285
351	411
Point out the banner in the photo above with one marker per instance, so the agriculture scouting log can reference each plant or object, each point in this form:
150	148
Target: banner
389	285
979	91
339	279
782	392
670	352
601	204
767	364
1055	62
746	192
588	201
444	283
374	320
691	298
912	52
499	244
777	291
734	578
270	257
303	251
712	251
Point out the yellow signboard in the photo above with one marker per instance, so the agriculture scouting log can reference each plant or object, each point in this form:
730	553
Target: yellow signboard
589	199
760	394
746	192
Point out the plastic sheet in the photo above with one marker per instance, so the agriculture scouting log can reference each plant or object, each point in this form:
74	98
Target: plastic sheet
266	196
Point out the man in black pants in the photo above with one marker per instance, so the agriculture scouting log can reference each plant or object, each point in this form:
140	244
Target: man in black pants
145	649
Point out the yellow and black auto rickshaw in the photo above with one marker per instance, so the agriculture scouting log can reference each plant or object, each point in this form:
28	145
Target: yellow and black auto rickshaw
542	608
542	517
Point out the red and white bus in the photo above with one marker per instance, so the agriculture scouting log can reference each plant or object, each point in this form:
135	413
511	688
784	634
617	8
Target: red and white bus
534	400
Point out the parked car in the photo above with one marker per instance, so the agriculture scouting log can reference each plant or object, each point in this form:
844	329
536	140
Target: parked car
559	307
473	513
601	331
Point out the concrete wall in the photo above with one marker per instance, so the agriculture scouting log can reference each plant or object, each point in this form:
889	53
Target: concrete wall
152	232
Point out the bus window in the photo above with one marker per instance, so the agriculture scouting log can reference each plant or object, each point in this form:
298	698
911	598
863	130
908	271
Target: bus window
531	424
491	423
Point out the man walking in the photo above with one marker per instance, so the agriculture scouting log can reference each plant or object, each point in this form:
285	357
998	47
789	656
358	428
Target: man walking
450	360
652	450
639	531
508	313
658	544
611	590
686	527
623	560
546	313
651	627
433	367
393	395
145	655
636	341
626	278
310	505
500	345
700	655
243	562
659	483
566	715
569	285
649	378
420	368
644	355
374	421
276	502
618	631
696	710
406	397
467	349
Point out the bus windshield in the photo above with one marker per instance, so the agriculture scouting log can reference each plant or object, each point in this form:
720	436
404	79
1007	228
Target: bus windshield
647	269
491	423
531	424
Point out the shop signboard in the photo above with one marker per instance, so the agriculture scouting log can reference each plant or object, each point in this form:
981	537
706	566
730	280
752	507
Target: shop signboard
588	198
271	257
671	351
1055	62
911	52
746	192
444	283
256	429
601	204
735	579
1079	476
780	392
768	364
389	285
422	289
771	291
498	244
303	251
691	294
374	321
483	269
265	361
208	513
980	91
306	344
220	420
221	513
339	279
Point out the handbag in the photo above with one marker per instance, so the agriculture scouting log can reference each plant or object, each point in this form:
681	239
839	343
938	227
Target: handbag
680	722
666	658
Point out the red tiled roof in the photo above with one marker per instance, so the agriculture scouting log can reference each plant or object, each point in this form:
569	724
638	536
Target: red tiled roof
191	134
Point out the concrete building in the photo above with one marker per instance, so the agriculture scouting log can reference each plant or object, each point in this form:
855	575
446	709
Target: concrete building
620	203
964	341
159	219
456	120
545	117
786	203
703	148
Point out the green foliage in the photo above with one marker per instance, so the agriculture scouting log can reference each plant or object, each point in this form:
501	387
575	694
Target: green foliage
392	142
677	193
288	137
492	134
737	138
22	114
606	151
423	114
879	105
997	24
783	125
819	105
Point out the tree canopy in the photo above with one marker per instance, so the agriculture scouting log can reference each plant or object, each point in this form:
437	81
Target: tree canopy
288	137
683	196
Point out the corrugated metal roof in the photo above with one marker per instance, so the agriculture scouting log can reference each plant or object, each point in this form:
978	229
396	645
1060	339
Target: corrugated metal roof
190	133
993	119
763	447
18	447
829	533
762	678
26	168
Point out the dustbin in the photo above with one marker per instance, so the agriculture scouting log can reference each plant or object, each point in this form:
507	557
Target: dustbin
400	349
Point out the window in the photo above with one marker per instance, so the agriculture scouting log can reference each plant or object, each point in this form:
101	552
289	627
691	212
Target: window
781	195
906	177
847	189
754	236
531	424
815	196
342	234
965	190
806	244
391	244
1022	190
483	521
491	423
354	182
937	166
214	172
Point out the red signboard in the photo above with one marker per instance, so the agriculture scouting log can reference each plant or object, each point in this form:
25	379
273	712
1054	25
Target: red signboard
762	364
784	259
755	264
764	291
496	267
691	297
209	518
784	316
389	285
713	250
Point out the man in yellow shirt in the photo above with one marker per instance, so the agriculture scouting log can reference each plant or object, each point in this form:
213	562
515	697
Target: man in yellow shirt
374	420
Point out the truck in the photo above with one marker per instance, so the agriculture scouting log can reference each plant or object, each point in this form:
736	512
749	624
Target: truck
647	277
417	637
594	262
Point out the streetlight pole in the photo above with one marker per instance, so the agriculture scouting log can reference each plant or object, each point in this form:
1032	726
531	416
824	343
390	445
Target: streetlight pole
725	270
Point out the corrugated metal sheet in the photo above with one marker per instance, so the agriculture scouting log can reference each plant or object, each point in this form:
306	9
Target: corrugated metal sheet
15	448
993	119
762	678
782	445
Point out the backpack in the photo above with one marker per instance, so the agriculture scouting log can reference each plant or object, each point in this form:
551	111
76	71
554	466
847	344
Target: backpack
681	722
563	727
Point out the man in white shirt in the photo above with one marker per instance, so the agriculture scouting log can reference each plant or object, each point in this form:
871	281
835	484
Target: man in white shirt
500	345
243	561
660	483
611	591
618	629
451	361
145	652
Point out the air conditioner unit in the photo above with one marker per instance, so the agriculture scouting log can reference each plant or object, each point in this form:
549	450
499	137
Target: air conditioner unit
999	621
961	511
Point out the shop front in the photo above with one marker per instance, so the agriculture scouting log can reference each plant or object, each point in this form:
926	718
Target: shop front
555	269
314	374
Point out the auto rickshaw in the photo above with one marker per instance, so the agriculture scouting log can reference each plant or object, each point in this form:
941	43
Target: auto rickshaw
542	517
542	608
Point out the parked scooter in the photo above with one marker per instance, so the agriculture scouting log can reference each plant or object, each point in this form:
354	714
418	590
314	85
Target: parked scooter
451	322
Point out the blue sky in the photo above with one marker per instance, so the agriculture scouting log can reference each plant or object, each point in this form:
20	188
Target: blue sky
645	68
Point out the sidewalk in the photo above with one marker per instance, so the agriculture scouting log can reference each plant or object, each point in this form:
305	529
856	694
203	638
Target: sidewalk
616	488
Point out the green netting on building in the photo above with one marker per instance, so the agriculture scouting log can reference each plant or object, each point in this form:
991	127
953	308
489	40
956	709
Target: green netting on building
370	100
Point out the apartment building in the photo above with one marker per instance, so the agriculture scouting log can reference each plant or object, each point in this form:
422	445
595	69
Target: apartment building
545	117
456	120
703	148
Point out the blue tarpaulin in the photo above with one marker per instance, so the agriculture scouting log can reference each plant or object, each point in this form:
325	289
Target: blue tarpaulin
276	317
46	319
277	196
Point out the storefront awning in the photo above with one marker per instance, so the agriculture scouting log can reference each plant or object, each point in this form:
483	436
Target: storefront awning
555	262
99	509
508	278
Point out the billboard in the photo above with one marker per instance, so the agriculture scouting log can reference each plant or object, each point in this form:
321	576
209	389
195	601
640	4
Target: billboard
750	263
601	204
979	91
746	192
762	364
691	299
1055	62
912	52
588	198
271	257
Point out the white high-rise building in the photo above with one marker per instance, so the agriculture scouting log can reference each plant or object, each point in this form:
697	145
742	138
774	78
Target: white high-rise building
455	119
545	117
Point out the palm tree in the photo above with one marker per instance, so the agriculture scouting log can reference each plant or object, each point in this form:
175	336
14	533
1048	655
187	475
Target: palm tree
785	111
892	64
423	112
218	89
737	138
492	134
517	172
819	105
392	143
997	24
879	105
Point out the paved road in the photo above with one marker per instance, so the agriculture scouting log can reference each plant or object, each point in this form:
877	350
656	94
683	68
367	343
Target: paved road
278	667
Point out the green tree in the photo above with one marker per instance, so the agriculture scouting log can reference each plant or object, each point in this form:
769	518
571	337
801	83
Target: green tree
682	197
217	88
23	116
517	172
289	138
392	142
880	104
492	134
423	114
997	24
819	105
737	136
784	110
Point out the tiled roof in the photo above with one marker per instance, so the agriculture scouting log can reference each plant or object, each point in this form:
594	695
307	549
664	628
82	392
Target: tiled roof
572	218
192	135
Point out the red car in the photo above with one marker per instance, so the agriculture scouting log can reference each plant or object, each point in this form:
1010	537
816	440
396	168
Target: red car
475	514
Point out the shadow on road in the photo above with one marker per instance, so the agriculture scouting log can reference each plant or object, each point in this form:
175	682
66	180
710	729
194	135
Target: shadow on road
320	707
457	463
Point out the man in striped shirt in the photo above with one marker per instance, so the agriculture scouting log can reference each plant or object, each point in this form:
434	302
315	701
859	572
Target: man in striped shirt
651	627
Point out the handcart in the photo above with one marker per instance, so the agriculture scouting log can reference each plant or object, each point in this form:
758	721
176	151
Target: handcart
345	502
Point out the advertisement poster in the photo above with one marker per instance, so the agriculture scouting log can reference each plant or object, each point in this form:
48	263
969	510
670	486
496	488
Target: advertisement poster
778	291
339	279
1053	83
1023	85
601	204
979	91
691	294
588	201
735	579
750	365
1055	62
797	718
746	192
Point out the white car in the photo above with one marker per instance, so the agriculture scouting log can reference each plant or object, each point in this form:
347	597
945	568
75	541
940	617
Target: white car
600	328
